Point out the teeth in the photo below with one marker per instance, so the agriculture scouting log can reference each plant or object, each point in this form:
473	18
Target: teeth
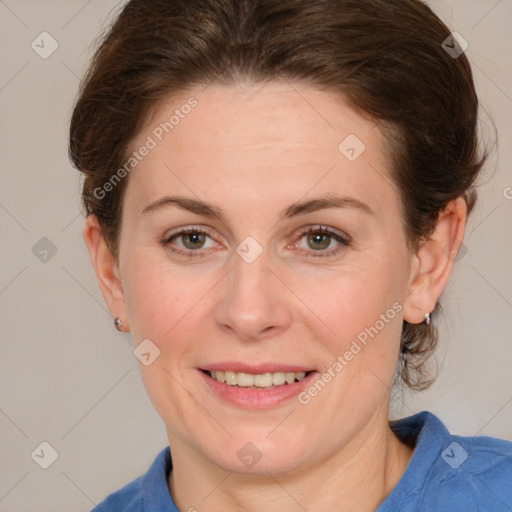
289	377
231	378
245	379
278	379
261	380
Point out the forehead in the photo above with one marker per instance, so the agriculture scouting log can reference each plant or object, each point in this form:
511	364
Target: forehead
247	138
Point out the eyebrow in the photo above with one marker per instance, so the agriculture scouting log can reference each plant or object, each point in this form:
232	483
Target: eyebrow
186	203
294	210
328	201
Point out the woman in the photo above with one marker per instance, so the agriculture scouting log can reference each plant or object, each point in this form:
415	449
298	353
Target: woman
275	194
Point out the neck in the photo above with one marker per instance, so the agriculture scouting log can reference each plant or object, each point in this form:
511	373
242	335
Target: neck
357	477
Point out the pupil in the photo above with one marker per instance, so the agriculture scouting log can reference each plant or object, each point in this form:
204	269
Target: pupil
193	240
319	241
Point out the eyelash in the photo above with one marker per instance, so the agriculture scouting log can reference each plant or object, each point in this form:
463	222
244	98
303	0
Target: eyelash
324	230
343	242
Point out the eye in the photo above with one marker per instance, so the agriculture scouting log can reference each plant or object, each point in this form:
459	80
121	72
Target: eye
318	241
192	239
321	240
189	242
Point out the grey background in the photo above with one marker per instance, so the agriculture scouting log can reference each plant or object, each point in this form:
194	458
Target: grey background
68	378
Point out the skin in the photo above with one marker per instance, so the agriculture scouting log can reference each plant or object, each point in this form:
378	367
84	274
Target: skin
252	151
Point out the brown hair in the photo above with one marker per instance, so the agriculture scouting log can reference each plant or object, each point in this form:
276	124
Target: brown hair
384	56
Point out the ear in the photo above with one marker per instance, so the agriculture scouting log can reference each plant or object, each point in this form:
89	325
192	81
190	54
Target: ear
106	269
433	261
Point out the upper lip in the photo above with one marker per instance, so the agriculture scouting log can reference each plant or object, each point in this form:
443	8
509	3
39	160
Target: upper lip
234	366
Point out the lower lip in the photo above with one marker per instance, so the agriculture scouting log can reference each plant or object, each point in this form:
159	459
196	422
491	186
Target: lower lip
263	398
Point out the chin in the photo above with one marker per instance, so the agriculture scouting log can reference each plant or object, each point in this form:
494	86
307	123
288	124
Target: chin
257	456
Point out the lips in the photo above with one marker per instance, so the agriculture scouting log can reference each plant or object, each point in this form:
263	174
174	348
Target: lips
258	380
261	394
233	366
256	386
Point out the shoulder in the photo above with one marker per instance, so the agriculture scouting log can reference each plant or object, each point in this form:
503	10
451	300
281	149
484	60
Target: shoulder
451	472
145	493
127	499
473	472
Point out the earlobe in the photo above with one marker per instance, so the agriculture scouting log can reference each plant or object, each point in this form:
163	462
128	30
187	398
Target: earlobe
106	268
433	262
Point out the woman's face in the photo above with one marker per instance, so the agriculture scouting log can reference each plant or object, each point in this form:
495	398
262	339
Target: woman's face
293	260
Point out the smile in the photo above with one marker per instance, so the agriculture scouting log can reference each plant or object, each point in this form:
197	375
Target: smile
256	386
256	381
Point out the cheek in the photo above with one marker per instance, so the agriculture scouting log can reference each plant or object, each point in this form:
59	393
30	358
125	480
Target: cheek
358	310
167	304
155	299
163	307
345	302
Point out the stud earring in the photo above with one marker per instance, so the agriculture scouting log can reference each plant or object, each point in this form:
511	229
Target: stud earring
118	323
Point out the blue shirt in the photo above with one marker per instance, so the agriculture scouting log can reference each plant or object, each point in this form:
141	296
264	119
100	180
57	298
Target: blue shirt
446	473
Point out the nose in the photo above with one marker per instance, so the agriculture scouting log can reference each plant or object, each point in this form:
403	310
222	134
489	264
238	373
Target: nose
253	303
